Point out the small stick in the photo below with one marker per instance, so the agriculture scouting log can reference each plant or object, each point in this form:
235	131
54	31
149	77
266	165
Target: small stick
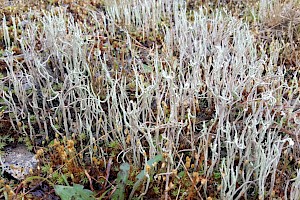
90	180
107	171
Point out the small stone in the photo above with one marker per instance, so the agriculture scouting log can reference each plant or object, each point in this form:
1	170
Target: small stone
18	161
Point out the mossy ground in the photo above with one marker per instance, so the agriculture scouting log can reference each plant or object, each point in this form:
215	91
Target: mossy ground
65	160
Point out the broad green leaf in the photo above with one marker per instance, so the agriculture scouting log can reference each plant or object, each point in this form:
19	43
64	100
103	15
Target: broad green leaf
75	192
141	176
150	162
121	182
